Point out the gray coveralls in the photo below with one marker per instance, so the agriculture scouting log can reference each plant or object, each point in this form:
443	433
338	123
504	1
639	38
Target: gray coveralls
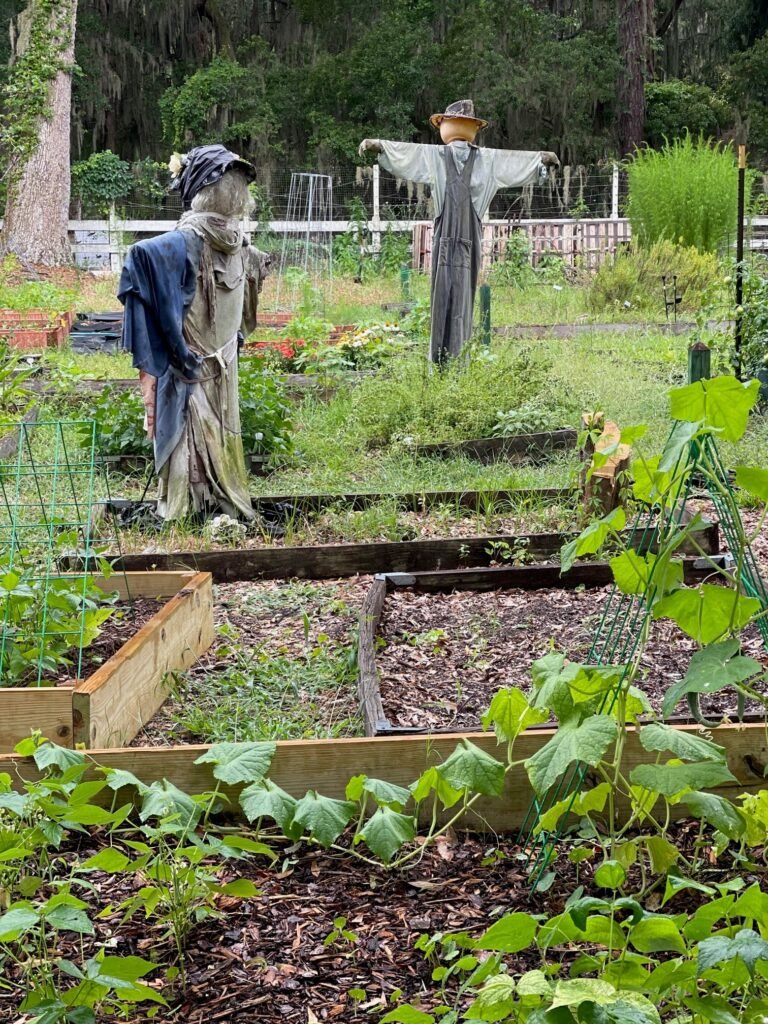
456	258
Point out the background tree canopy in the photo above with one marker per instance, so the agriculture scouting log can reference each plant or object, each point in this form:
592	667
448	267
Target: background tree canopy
298	83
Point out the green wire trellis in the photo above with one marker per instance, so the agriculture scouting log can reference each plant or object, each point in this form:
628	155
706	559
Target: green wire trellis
54	522
625	618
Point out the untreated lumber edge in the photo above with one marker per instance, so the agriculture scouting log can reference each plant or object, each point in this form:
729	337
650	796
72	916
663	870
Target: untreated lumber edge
327	765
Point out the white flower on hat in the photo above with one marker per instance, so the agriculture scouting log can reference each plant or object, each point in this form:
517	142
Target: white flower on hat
175	164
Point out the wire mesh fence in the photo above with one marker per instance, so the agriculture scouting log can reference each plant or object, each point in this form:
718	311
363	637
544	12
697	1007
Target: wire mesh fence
570	192
52	511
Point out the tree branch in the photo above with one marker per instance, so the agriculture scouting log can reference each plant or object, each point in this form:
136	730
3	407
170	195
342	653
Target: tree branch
668	18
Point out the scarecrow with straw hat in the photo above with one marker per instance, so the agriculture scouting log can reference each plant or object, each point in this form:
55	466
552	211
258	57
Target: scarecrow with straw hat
190	296
464	179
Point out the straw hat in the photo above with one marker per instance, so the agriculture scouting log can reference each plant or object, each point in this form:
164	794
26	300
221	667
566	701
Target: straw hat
463	110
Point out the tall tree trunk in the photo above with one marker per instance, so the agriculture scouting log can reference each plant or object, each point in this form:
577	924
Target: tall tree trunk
634	19
37	207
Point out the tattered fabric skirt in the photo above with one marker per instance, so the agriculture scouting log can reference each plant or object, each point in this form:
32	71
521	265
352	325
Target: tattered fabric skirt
206	471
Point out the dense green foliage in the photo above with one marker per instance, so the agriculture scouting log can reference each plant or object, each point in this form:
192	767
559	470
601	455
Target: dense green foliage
301	83
685	193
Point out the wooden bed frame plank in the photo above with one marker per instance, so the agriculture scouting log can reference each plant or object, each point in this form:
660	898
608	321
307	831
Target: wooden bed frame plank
327	766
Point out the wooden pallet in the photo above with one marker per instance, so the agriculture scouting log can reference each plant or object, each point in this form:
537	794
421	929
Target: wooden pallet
110	707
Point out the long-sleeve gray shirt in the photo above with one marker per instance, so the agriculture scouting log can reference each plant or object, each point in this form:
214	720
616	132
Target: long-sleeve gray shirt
494	168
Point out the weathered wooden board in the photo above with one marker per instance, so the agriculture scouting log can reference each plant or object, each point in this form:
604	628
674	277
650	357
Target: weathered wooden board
329	561
327	765
115	701
417	501
368	682
518	448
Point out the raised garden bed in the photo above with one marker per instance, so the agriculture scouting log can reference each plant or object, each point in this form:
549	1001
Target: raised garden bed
518	448
30	329
113	703
676	327
434	647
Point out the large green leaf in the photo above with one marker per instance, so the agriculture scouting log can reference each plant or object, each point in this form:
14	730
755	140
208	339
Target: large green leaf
510	714
586	741
431	781
509	934
676	448
386	831
753	480
386	794
685	745
746	946
650	483
70	919
632	573
324	818
657	934
671	779
48	754
470	768
164	800
239	762
17	921
265	799
716	811
706	613
721	403
710	670
591	540
583	990
495	1000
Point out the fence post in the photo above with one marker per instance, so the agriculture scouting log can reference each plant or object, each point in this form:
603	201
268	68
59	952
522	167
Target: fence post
485	313
376	220
699	362
615	192
114	237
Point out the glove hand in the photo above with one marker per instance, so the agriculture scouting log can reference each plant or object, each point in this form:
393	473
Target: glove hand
370	146
550	160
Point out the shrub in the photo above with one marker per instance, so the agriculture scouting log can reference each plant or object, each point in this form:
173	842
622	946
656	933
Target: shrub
685	193
635	277
265	415
418	404
514	266
675	108
119	416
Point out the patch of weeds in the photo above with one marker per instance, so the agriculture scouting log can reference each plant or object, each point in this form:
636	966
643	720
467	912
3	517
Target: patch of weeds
262	695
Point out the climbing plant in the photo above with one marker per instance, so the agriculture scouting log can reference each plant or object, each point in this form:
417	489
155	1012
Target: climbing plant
25	94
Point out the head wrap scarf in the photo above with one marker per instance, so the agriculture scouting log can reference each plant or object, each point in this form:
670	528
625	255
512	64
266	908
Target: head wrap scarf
204	166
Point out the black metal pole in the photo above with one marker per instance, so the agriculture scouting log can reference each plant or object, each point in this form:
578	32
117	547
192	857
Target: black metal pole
740	258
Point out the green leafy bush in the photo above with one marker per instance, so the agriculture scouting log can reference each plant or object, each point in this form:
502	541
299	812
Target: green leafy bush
685	192
534	417
417	404
265	414
101	180
514	267
675	109
44	619
634	278
119	416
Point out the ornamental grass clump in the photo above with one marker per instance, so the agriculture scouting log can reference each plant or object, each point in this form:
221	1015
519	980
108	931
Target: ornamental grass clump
685	192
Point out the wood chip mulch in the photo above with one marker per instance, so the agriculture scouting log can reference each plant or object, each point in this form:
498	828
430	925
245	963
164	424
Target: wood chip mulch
443	656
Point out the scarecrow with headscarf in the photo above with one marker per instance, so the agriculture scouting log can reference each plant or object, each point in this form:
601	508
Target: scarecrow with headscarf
464	179
190	296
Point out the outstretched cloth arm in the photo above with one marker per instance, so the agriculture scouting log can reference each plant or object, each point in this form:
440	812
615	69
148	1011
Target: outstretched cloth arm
512	168
411	161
